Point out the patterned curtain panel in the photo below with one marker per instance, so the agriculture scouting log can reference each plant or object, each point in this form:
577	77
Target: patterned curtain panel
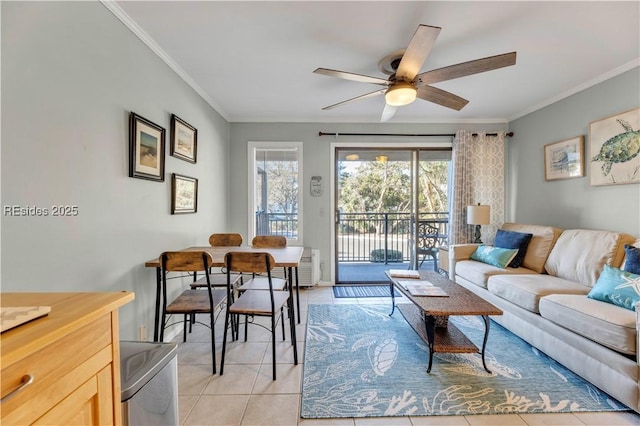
478	177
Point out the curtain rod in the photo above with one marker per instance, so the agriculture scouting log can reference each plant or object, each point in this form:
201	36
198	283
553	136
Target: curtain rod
509	134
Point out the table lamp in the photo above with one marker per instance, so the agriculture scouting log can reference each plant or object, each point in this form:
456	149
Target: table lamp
478	215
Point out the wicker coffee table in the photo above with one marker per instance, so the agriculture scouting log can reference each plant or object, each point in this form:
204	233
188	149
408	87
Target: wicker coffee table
428	315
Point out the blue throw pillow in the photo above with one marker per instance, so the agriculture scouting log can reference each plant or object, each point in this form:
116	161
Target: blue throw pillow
632	264
496	256
513	240
617	287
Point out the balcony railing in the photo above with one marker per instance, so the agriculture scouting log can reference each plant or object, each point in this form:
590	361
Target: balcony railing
368	237
285	224
386	237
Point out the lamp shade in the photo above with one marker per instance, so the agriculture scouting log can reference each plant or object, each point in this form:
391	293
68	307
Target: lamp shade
400	94
478	215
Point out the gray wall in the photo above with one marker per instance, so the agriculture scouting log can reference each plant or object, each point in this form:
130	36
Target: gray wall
316	162
71	72
571	203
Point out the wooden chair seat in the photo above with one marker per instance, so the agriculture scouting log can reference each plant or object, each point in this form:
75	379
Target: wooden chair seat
262	283
196	301
258	302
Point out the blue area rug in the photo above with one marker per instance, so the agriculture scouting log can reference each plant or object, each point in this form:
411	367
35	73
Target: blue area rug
360	362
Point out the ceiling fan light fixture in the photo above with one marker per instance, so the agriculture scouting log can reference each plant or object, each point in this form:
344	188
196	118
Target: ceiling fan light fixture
401	94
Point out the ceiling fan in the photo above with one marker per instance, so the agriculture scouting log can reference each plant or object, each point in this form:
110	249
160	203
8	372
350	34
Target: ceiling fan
404	84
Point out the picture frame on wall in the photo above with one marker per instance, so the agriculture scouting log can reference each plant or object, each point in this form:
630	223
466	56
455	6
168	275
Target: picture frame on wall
564	159
614	149
184	140
184	194
146	149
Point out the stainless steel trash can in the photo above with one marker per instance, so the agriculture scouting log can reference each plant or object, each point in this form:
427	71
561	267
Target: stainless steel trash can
149	382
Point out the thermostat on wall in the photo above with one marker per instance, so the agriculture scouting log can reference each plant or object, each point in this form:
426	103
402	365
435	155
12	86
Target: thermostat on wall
316	186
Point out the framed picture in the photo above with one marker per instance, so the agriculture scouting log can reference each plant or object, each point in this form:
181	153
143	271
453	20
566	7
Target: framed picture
614	148
564	159
184	140
184	194
146	149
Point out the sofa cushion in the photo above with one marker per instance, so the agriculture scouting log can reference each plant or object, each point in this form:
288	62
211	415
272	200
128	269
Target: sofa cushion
478	273
526	290
580	254
543	240
513	240
618	287
496	256
609	325
632	259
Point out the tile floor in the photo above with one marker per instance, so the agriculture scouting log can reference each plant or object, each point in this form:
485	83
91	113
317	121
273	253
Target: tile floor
246	395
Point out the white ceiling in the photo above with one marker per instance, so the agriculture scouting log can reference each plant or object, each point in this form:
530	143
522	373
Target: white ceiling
253	61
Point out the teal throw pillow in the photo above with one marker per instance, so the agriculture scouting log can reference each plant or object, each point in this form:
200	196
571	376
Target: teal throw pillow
632	264
496	256
617	287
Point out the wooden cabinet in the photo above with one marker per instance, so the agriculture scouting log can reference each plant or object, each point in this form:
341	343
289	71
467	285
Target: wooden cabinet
72	356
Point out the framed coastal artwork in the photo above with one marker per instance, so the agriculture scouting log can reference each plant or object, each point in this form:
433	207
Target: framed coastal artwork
146	149
564	159
184	140
614	148
184	194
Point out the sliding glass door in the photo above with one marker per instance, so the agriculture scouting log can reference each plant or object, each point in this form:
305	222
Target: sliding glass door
383	198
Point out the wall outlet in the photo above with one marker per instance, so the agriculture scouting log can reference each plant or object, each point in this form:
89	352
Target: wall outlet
142	333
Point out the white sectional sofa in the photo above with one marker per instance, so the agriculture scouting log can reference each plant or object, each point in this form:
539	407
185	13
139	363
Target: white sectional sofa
545	303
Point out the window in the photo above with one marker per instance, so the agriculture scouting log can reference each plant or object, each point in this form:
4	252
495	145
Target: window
275	200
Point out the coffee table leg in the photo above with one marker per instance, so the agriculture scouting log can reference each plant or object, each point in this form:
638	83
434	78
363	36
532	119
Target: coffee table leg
393	299
430	324
484	341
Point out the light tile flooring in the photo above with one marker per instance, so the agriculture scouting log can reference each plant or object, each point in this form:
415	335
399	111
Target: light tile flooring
246	395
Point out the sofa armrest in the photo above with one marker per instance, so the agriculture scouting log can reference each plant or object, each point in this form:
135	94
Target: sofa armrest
458	252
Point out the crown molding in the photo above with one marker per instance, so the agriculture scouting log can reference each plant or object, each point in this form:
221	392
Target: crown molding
112	6
606	76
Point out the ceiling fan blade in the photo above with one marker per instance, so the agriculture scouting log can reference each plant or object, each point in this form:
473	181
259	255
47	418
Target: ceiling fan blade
351	76
388	112
466	68
441	97
357	98
417	52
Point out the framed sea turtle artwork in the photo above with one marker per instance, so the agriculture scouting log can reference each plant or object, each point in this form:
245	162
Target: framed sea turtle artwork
614	149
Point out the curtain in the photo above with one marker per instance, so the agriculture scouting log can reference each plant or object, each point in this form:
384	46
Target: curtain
478	177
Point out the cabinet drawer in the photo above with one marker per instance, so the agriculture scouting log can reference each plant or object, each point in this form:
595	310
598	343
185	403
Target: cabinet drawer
57	370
